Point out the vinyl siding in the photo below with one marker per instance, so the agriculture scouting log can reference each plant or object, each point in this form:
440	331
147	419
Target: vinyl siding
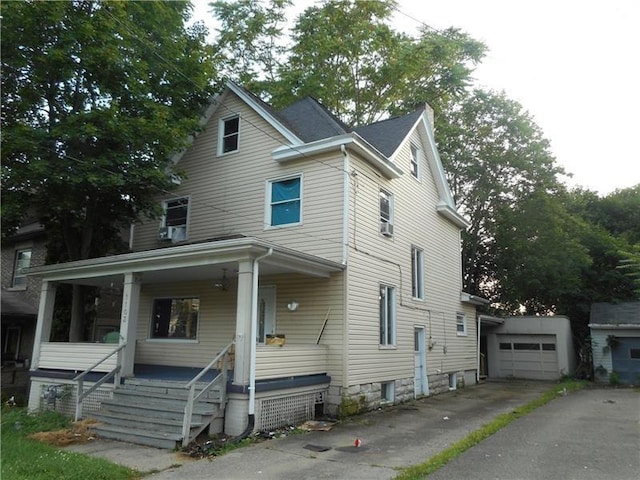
76	356
227	193
375	259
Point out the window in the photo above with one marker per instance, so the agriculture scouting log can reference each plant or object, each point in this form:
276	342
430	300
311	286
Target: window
453	381
176	213
461	325
175	318
634	353
526	346
387	392
229	133
285	200
415	161
387	315
22	262
417	273
386	213
549	347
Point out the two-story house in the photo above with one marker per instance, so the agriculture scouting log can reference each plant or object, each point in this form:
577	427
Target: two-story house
324	261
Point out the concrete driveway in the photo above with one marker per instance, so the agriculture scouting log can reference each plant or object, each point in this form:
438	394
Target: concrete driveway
592	434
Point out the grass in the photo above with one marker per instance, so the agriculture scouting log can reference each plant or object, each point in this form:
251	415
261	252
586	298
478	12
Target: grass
417	472
24	458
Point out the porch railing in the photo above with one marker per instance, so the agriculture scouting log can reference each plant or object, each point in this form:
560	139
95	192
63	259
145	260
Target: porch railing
114	373
191	386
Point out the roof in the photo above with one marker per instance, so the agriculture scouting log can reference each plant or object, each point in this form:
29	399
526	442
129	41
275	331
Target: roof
624	313
15	303
312	121
387	135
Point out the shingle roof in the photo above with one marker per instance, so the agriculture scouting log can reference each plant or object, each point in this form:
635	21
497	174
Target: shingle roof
311	121
387	135
16	304
625	313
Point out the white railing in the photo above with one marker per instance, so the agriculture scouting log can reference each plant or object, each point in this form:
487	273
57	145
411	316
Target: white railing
222	357
114	372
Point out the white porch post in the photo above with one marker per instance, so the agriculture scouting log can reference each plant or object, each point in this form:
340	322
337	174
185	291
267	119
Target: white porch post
129	321
243	323
45	319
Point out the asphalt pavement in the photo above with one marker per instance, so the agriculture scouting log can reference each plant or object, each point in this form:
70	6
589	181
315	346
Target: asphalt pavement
411	433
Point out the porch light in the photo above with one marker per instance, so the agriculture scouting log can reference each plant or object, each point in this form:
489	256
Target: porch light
293	305
222	283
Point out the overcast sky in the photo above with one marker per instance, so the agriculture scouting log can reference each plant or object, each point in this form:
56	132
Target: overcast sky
572	64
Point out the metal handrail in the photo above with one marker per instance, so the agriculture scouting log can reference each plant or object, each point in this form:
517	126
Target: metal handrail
191	386
80	379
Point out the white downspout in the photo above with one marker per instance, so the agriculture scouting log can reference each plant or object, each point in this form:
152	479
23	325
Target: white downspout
478	365
345	205
254	329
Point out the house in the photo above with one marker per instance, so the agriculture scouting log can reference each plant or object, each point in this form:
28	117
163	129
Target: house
615	342
27	247
532	347
336	249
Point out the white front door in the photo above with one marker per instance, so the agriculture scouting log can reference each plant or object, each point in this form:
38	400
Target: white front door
421	386
266	312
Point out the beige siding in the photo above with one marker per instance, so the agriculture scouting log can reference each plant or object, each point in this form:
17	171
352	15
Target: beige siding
290	360
227	193
77	356
375	259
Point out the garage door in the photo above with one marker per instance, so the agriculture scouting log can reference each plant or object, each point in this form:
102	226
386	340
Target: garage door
528	356
625	357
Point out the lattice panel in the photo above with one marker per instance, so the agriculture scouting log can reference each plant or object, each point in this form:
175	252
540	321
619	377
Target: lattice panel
66	404
279	412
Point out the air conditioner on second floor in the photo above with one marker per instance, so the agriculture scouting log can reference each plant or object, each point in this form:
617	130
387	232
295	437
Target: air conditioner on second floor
172	234
386	229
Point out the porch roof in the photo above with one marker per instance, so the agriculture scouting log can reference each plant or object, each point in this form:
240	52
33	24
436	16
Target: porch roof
198	261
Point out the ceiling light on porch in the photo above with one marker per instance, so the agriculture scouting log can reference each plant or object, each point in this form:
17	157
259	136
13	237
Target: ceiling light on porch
222	283
293	305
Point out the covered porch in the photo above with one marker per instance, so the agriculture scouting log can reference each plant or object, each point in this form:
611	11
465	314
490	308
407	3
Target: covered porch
183	305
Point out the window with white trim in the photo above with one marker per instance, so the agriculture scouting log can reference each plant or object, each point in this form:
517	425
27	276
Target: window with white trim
175	318
229	135
461	325
176	215
386	213
387	315
387	392
415	161
417	273
21	263
284	198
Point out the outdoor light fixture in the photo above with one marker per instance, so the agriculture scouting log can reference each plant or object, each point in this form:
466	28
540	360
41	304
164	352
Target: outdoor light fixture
223	283
293	305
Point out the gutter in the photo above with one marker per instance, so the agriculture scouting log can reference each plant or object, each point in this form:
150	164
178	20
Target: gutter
345	205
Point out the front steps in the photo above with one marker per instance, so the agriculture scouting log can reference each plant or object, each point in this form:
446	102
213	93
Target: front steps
150	412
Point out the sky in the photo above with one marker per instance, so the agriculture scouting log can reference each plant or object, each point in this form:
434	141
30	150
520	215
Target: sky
573	65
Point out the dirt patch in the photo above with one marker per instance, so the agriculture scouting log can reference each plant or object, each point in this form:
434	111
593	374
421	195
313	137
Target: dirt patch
78	432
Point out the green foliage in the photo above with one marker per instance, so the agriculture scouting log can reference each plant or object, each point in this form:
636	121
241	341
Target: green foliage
26	459
614	379
351	406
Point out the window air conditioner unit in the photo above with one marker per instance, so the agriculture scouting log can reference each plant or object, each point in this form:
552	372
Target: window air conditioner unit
163	234
386	229
172	234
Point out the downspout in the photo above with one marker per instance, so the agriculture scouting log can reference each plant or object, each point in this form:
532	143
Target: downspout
252	361
345	205
478	364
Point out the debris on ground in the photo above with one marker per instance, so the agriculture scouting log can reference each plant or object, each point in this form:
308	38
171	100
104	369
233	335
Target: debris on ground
317	426
78	432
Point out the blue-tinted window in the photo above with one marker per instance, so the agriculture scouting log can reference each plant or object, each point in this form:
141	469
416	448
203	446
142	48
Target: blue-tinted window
285	201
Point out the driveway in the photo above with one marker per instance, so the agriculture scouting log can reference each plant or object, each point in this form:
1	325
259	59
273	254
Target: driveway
592	434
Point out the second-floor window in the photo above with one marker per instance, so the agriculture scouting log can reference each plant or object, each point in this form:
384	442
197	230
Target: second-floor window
176	213
461	325
415	161
229	134
386	213
285	201
387	315
22	262
417	272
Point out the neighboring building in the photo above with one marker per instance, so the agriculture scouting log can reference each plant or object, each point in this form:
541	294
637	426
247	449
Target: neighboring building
27	248
533	347
615	342
338	250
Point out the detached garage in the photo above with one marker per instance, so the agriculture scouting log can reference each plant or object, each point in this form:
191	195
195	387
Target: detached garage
538	348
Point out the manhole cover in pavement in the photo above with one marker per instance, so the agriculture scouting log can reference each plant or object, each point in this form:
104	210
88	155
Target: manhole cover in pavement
317	448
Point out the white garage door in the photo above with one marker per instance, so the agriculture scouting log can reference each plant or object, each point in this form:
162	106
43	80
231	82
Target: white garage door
528	356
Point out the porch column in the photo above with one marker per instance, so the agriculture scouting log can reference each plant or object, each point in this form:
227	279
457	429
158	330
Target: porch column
129	321
45	319
243	323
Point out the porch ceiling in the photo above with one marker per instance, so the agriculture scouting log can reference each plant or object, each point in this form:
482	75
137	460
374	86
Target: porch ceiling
194	262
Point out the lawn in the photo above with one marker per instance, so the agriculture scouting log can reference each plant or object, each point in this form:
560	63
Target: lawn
28	459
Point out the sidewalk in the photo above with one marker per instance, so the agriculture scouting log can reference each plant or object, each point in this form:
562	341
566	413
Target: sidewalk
392	438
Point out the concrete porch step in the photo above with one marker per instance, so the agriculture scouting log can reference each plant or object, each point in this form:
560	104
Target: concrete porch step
162	394
138	436
151	408
166	425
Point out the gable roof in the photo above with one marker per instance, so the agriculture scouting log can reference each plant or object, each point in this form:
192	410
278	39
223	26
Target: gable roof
312	121
387	135
625	313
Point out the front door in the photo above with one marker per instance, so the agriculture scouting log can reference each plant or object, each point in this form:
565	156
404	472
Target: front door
266	312
420	377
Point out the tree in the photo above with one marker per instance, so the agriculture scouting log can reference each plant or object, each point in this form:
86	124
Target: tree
96	98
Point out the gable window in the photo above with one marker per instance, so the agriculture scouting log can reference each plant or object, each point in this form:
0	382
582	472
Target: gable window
387	315
461	325
417	273
229	133
176	213
22	262
415	161
285	202
175	318
386	213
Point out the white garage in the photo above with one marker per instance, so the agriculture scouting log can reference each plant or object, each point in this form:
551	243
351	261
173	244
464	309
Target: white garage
537	348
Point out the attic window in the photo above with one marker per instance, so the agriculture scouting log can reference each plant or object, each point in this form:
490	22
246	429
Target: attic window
229	133
415	161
